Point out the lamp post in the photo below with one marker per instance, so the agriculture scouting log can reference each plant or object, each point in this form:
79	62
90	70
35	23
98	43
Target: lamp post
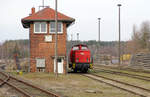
119	5
99	29
99	55
56	31
43	3
71	37
78	37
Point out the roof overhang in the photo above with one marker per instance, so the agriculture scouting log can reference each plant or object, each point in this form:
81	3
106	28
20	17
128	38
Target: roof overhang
26	23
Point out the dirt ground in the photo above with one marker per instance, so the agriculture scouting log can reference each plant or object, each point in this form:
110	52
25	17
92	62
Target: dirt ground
74	85
6	91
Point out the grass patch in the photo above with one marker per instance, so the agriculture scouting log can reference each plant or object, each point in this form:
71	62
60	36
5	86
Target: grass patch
74	85
138	82
125	70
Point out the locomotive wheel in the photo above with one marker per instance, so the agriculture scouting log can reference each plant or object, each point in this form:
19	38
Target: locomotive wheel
84	70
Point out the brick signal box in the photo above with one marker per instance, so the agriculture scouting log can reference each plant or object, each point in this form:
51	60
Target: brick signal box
42	39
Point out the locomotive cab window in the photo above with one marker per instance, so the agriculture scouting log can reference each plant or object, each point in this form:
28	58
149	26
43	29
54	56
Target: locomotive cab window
84	48
75	48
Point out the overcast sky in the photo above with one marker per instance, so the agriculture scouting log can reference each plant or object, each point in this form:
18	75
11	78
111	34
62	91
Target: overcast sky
85	12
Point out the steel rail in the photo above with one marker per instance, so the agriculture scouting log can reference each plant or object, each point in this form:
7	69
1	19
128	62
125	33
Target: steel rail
4	81
148	90
13	86
26	83
116	86
126	69
118	82
126	74
33	86
19	90
130	74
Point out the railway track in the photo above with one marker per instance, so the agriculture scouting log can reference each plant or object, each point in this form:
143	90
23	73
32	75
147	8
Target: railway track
141	77
143	92
24	88
126	69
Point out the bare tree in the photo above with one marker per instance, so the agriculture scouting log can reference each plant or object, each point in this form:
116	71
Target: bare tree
145	34
140	38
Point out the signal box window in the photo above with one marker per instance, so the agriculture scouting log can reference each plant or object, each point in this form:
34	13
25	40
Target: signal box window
75	48
84	48
52	27
40	27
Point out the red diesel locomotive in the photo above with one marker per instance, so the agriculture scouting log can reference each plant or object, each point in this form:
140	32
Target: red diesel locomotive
80	58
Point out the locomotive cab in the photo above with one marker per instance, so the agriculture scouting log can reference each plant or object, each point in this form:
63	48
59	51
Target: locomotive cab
80	58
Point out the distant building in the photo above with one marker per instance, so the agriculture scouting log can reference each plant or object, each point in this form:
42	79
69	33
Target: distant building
42	39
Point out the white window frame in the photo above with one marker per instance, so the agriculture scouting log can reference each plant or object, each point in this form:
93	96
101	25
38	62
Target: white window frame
40	27
54	32
41	60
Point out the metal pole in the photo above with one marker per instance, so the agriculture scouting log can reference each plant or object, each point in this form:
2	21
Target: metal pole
119	5
29	68
71	40
99	29
71	37
43	3
56	31
99	56
78	37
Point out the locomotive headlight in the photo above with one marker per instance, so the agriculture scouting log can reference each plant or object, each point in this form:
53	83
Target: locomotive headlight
82	53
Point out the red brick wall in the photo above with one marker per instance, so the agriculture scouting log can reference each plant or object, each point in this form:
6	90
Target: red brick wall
41	49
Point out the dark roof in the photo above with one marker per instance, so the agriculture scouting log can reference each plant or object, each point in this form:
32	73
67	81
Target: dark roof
46	14
80	45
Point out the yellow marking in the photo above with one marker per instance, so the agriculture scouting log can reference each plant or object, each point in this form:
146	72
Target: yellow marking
91	66
74	65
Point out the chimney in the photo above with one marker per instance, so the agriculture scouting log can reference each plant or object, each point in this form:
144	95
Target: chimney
32	10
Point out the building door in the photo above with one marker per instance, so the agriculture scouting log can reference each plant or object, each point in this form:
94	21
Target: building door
60	65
